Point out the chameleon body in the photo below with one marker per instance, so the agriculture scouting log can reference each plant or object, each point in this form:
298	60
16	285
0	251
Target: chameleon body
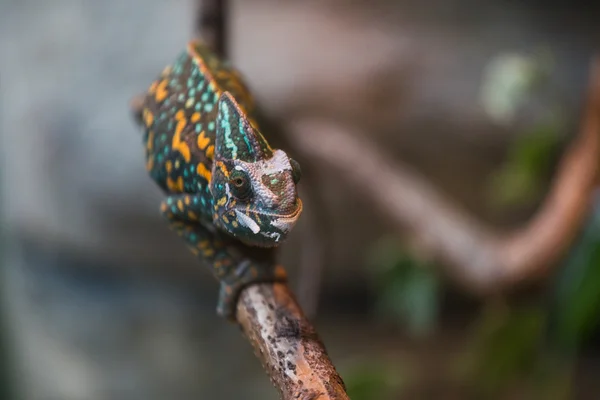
227	191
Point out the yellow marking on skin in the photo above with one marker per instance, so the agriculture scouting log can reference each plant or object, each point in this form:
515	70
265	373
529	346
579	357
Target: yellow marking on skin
180	145
187	200
175	186
180	205
150	143
148	117
209	253
203	141
152	88
161	91
234	224
164	207
150	163
169	166
225	219
222	201
223	169
195	117
210	152
192	215
189	103
177	163
203	244
204	172
180	115
194	251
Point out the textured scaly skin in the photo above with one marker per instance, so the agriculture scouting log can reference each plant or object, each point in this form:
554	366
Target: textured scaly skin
229	193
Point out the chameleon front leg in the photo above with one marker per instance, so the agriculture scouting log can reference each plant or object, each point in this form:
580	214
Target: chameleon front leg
234	265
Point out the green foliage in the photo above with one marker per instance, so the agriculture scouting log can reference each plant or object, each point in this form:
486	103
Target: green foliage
408	289
519	179
576	296
370	380
508	350
510	81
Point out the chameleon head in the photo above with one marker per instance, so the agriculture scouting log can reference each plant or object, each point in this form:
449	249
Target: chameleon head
253	186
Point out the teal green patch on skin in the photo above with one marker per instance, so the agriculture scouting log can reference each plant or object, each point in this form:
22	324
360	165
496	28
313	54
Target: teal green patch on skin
194	182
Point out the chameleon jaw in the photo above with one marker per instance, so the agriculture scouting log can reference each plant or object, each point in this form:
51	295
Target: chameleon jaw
271	232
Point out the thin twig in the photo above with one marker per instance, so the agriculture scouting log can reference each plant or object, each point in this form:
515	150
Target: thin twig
477	256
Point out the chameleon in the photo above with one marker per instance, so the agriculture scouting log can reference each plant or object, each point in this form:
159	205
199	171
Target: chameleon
228	193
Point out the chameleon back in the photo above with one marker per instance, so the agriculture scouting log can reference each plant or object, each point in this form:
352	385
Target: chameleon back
179	115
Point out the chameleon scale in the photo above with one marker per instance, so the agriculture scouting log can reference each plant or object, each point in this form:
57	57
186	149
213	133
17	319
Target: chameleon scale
228	193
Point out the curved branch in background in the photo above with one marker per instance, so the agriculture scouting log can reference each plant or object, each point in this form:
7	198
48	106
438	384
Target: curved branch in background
287	344
478	257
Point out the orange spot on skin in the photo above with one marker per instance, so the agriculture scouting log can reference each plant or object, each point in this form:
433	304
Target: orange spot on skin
187	200
161	91
210	152
225	219
194	251
150	143
164	207
152	88
209	253
175	186
192	216
195	117
180	115
180	205
169	166
180	145
222	201
203	141
150	163
148	117
223	169
204	172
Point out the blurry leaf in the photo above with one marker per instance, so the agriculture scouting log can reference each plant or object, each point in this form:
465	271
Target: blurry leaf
505	347
576	299
370	380
408	289
507	81
530	157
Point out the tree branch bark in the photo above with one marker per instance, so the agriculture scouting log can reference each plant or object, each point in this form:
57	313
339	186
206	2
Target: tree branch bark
287	344
481	259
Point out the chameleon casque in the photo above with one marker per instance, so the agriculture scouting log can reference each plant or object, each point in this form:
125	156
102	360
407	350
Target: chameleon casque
227	191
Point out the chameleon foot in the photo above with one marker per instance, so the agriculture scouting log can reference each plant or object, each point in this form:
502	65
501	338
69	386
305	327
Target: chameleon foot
246	274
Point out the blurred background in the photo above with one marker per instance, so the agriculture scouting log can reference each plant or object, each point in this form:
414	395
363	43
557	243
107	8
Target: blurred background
478	100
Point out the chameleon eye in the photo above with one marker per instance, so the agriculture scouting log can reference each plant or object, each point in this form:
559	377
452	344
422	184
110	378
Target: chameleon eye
296	171
240	185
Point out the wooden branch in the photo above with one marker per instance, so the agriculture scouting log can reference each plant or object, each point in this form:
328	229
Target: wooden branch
211	24
477	256
287	344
